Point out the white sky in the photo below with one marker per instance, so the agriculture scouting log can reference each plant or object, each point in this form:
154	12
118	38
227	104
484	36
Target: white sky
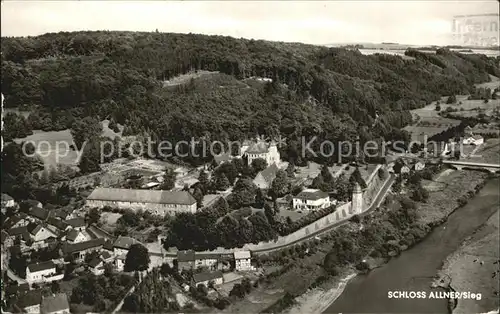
403	21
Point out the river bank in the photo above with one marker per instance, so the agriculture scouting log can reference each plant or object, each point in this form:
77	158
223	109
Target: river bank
474	267
415	269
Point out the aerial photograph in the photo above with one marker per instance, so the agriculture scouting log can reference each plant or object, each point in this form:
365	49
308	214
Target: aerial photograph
285	157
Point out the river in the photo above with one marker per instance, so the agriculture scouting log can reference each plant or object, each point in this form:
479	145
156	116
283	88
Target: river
415	269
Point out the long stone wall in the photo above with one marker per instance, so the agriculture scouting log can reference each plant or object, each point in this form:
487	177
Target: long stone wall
340	214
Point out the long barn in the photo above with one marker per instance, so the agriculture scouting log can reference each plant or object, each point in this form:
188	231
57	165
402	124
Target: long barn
155	201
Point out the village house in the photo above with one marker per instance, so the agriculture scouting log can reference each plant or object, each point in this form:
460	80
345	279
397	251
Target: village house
122	245
157	202
120	262
473	140
204	278
264	179
38	213
20	233
15	222
39	235
243	261
57	225
42	272
76	223
96	266
76	236
419	166
185	260
7	201
261	149
311	199
208	260
79	250
29	302
65	213
55	304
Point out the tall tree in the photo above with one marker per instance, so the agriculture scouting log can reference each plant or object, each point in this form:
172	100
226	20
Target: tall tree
280	185
137	258
169	179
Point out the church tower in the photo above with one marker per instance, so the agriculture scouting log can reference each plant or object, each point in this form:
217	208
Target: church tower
357	200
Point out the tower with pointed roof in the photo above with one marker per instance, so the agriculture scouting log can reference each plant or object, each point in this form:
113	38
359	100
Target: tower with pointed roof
357	200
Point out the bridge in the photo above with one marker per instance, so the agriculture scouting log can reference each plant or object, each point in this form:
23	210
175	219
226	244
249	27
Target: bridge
459	165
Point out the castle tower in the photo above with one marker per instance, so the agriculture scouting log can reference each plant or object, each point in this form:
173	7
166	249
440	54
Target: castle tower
273	154
357	200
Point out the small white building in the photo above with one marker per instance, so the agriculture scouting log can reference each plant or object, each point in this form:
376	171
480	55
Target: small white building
473	140
418	166
243	261
96	266
29	302
42	272
311	199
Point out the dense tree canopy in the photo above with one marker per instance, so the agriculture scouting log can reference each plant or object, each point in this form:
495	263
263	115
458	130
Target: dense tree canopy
314	90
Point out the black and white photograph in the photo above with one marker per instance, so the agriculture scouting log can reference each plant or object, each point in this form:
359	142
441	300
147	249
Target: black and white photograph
260	157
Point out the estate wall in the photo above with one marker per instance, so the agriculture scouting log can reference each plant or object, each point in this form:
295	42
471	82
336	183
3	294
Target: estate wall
340	214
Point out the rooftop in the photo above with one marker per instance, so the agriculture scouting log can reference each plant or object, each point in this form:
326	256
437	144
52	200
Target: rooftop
269	173
201	277
6	197
55	303
39	213
30	298
59	224
185	256
82	246
76	222
312	194
124	242
33	268
72	235
241	254
142	196
259	147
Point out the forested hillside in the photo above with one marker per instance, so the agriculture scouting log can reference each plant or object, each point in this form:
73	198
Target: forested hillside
331	92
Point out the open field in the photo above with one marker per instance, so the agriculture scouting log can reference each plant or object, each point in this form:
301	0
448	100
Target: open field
48	143
185	78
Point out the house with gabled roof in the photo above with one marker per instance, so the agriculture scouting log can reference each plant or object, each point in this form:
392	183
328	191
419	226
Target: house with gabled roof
42	272
39	213
122	245
311	200
57	225
204	278
79	250
29	302
15	222
75	236
96	266
40	233
76	223
243	261
264	179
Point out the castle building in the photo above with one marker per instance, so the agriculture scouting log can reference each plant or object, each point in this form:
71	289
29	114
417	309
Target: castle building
261	149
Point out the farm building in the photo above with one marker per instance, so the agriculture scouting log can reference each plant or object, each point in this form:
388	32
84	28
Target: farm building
157	202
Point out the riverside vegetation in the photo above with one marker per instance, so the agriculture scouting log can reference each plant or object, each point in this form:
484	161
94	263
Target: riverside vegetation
366	242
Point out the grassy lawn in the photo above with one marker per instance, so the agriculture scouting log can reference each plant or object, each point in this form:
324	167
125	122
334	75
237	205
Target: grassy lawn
294	215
